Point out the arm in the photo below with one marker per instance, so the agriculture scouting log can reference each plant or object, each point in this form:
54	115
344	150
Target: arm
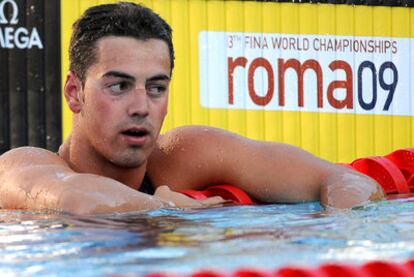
194	157
33	179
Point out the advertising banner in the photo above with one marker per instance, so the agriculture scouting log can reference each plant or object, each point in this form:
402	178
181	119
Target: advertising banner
312	73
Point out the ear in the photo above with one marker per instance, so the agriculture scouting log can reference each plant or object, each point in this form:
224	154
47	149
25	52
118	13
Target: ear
72	92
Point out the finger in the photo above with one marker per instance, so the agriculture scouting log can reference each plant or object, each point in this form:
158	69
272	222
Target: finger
162	190
215	200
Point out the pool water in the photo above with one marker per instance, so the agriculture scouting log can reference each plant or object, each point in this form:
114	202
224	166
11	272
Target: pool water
224	239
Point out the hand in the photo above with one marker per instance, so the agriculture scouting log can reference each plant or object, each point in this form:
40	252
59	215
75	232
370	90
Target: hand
180	200
350	189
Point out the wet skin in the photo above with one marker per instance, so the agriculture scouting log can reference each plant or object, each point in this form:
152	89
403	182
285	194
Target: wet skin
117	116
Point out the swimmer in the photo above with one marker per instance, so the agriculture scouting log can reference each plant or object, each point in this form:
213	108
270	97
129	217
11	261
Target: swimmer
115	160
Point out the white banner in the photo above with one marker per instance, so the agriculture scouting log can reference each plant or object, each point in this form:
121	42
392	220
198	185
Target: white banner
315	73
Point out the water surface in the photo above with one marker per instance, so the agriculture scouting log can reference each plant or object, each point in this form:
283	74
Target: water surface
182	241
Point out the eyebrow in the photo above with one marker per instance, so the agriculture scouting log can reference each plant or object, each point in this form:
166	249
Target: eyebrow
119	74
159	77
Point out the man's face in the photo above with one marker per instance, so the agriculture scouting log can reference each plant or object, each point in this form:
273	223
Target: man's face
125	98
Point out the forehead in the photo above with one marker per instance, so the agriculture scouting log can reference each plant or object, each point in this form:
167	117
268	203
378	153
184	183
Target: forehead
131	55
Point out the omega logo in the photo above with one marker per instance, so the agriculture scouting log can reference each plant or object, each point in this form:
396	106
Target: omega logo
3	19
20	37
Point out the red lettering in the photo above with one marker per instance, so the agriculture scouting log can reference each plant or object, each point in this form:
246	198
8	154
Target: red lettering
240	61
300	70
347	85
261	100
342	100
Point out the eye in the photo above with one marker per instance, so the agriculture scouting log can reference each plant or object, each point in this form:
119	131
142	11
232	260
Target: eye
156	90
120	87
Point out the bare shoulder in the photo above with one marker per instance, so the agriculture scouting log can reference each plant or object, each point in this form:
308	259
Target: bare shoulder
196	136
192	142
192	156
29	156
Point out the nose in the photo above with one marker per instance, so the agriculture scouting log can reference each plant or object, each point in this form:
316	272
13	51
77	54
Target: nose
138	103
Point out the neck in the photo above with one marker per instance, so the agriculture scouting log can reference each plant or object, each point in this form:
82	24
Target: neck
82	158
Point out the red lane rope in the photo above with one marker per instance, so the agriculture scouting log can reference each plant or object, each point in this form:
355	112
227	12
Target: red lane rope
228	192
385	172
369	269
394	171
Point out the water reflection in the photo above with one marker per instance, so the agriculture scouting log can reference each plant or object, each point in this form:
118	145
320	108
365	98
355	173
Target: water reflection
224	238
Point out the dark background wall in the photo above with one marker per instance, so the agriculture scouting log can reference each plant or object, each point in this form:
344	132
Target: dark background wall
30	85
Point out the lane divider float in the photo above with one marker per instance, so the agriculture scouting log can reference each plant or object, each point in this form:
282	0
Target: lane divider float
385	172
227	192
369	269
394	171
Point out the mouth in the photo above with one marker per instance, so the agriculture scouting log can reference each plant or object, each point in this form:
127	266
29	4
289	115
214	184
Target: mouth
136	136
135	133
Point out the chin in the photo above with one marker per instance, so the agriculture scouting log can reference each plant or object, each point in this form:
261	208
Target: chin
128	163
130	160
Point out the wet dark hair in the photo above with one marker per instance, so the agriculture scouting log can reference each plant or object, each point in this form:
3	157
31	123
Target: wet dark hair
120	19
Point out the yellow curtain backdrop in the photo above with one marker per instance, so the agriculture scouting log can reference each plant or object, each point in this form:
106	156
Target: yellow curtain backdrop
338	137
